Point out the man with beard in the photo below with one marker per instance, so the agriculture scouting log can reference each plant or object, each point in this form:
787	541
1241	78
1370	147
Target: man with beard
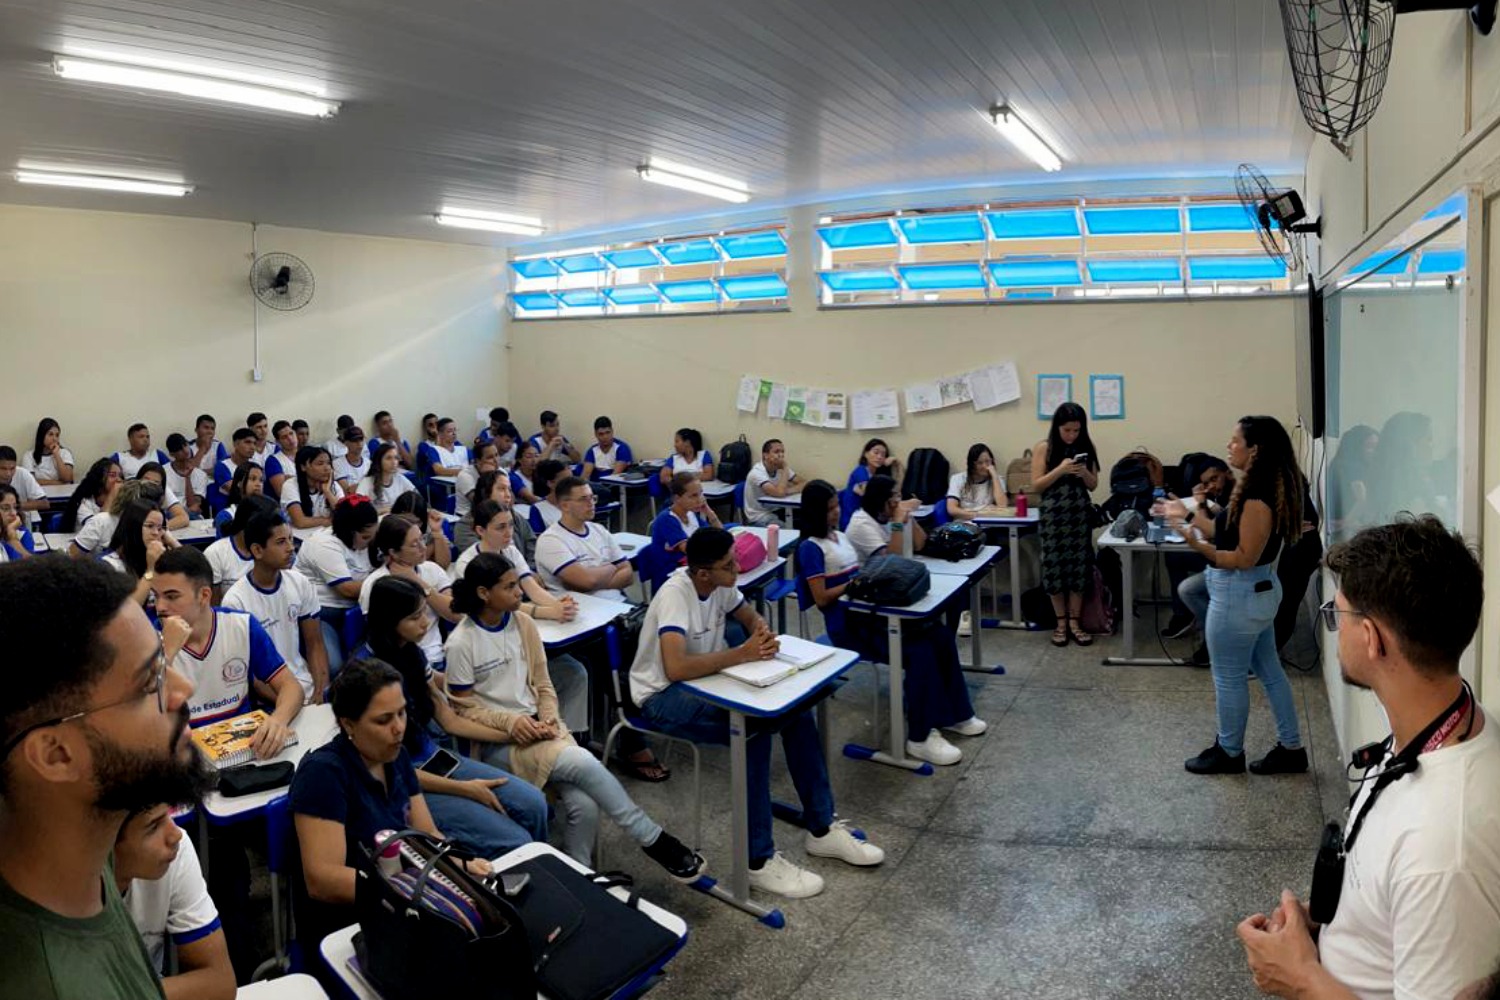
93	728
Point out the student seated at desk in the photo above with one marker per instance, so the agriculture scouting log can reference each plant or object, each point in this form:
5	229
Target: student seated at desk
495	486
497	676
445	456
384	432
683	639
170	503
47	459
139	540
241	454
976	488
549	473
875	459
249	481
282	463
284	602
230	556
429	436
672	527
414	506
576	553
486	459
335	444
688	456
93	494
504	433
607	455
33	497
936	696
16	541
207	450
352	464
265	444
552	443
771	477
308	500
162	886
385	483
93	538
184	479
875	528
303	432
398	550
523	473
337	562
139	453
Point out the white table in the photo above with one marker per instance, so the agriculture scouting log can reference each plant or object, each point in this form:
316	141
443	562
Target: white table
626	484
338	948
297	986
791	501
743	700
197	533
634	545
1127	551
972	570
787	537
58	493
594	616
943	587
1013	526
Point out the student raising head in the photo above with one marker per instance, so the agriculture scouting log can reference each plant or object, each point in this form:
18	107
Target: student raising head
309	500
207	451
398	550
282	465
385	483
688	456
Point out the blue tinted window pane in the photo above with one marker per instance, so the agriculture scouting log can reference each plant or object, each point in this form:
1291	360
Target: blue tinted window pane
632	295
1386	265
1441	262
1033	224
1012	296
881	280
859	234
532	301
581	263
962	228
1234	268
1134	270
1219	219
582	298
638	257
690	252
1454	205
1035	273
938	276
688	291
1129	221
538	267
755	286
753	245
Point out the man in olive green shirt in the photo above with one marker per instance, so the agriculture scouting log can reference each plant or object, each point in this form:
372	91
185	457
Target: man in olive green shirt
94	724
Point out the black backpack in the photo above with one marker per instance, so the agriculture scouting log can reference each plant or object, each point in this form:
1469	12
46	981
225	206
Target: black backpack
1131	485
926	475
890	581
954	541
1036	609
734	462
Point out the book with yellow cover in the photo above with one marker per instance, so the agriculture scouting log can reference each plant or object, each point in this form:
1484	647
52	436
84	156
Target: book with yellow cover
226	743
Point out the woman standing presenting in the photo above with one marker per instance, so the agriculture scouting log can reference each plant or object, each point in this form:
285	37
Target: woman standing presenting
1242	544
1064	469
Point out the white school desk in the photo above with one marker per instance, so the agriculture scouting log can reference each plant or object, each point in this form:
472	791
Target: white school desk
1013	526
943	587
1127	550
628	484
789	502
634	546
973	570
338	948
787	537
198	534
58	493
297	986
594	616
743	700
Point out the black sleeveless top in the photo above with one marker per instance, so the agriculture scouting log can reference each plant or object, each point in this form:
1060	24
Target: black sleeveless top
1227	534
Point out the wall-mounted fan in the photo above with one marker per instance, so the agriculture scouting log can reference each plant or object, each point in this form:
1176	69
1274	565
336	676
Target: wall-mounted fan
1340	51
281	281
1279	216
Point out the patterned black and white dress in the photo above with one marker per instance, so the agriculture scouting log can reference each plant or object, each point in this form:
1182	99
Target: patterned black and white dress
1067	539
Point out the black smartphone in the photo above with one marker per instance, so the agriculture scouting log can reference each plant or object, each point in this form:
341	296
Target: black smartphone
442	763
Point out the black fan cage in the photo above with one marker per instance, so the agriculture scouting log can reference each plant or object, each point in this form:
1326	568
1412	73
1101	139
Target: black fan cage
1340	51
1254	191
294	294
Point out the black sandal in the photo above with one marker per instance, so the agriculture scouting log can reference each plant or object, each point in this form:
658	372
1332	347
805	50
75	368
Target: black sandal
1060	634
651	770
1079	635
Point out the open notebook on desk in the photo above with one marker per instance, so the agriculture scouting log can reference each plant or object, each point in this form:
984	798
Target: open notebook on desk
795	655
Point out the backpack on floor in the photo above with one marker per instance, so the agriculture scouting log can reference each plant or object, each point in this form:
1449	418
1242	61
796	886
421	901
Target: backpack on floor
1018	479
1036	608
734	462
1097	617
926	475
890	581
954	541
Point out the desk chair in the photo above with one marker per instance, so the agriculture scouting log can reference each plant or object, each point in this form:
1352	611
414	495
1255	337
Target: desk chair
848	504
281	858
353	631
739	501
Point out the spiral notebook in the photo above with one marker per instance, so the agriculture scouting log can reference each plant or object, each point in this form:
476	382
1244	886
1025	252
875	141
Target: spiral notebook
795	655
226	743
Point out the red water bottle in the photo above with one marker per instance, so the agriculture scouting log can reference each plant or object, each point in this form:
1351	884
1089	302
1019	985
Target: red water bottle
773	541
1020	504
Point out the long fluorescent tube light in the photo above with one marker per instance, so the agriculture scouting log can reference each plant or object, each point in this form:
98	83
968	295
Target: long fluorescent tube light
200	84
692	179
98	182
1024	138
492	222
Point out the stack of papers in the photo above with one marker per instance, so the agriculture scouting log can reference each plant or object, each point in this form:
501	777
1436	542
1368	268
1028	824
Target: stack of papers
794	656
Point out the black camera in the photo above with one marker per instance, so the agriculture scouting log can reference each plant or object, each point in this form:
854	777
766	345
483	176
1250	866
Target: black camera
1328	876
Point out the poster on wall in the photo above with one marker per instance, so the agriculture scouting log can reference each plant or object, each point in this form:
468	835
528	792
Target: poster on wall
1052	391
1107	397
776	401
748	399
994	386
875	410
836	411
955	389
796	404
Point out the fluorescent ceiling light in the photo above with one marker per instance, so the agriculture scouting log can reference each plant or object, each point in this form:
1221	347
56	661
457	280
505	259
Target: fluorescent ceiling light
207	83
492	222
692	179
98	182
1024	138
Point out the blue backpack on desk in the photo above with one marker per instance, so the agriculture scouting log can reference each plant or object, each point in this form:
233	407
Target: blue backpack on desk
890	581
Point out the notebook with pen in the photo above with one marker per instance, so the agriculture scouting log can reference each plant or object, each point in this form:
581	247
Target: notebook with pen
794	656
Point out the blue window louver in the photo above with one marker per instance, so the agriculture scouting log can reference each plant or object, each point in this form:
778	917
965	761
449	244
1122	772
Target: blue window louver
1035	273
1454	204
680	292
689	252
1012	296
964	227
876	280
935	277
752	287
855	235
582	263
633	258
1219	219
534	301
1380	264
1235	268
1131	221
1441	262
632	295
1034	224
537	267
582	298
753	245
1134	270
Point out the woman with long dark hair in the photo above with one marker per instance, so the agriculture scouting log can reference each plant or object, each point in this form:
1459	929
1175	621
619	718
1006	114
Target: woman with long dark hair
980	485
1401	471
386	483
309	501
1349	479
140	537
92	495
48	460
1065	470
875	459
1241	545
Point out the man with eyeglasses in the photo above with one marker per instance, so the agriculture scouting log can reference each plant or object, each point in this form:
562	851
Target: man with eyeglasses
1408	893
97	730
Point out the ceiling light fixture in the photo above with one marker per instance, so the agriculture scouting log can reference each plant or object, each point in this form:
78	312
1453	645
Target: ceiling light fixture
100	182
492	222
202	82
692	179
1024	137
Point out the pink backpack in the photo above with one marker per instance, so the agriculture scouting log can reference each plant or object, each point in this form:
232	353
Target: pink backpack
1097	616
749	551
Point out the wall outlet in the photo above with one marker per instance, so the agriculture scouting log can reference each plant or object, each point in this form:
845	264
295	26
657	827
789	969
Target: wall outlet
256	374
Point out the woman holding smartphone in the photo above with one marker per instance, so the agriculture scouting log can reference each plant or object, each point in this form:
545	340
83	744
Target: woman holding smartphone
1065	470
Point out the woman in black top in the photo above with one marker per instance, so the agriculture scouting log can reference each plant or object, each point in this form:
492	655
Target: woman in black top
1242	544
1065	469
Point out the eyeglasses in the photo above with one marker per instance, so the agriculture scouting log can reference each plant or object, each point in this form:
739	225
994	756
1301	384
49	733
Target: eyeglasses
581	498
1330	614
157	686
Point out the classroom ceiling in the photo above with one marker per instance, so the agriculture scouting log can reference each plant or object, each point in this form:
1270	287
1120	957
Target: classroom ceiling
545	109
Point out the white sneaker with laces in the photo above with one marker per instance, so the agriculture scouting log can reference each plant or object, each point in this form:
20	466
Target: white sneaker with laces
840	842
972	726
782	878
935	750
966	625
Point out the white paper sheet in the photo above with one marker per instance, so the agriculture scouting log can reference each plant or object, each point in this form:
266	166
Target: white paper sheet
776	401
923	396
796	404
1053	392
1109	397
875	409
748	399
817	406
995	385
954	390
836	411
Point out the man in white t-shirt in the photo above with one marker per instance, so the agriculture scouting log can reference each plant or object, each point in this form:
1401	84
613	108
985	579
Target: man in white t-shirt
577	554
33	497
550	442
284	602
608	456
445	457
1417	914
265	445
184	478
139	453
771	477
165	895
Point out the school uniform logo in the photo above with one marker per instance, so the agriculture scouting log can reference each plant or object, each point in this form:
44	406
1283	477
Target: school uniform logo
235	670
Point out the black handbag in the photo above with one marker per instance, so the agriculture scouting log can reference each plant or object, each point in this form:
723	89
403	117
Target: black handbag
247	779
891	581
954	541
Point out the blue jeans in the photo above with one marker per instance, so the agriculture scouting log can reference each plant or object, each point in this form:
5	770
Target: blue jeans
1192	594
481	829
1241	634
333	642
932	679
677	712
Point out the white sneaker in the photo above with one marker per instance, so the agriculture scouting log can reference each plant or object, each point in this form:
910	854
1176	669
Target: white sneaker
840	842
935	750
782	878
972	726
965	625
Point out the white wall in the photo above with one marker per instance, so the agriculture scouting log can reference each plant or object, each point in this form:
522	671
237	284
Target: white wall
108	318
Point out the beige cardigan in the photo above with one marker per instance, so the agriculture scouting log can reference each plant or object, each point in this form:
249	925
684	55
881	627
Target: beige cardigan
532	763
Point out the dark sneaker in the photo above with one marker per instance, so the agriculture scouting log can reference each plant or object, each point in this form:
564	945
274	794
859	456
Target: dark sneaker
1200	657
1180	627
680	861
1215	761
1281	761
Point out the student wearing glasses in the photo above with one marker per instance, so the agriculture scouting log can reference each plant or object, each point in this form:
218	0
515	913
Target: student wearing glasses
398	550
16	541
